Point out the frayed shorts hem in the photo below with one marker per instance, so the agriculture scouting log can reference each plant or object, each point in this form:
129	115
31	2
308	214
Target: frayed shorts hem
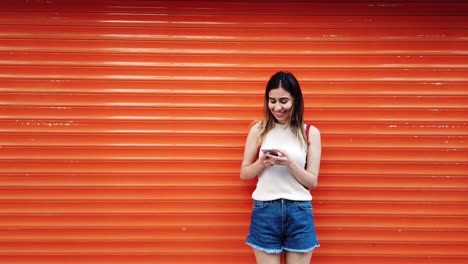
270	251
279	251
301	250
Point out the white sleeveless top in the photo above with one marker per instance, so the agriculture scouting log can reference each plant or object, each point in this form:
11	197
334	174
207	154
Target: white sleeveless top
276	182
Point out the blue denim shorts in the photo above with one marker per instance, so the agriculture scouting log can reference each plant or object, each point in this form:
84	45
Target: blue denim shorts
282	225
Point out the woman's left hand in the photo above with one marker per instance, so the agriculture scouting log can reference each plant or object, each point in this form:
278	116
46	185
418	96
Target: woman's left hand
281	160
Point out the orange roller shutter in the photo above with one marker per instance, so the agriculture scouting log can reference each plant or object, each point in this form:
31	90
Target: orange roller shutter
122	127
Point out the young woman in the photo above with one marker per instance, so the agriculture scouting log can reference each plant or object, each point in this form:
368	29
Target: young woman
285	155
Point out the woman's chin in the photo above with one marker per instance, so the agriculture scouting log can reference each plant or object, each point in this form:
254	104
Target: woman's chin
281	120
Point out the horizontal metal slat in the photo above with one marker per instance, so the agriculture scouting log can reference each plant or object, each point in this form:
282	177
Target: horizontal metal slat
391	208
194	74
223	220
219	167
204	87
125	193
184	179
240	7
193	154
393	181
202	258
226	34
394	141
228	61
266	21
235	48
129	234
431	194
222	142
227	141
224	153
213	247
220	233
154	247
22	129
125	220
207	206
392	168
38	126
388	259
407	235
215	258
168	166
395	155
223	113
228	101
66	179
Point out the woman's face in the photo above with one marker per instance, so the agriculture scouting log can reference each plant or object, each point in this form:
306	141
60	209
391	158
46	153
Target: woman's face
280	103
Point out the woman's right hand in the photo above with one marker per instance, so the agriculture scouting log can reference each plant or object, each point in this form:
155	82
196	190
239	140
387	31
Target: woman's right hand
266	161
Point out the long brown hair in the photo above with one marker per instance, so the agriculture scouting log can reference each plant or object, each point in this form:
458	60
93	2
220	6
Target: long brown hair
288	82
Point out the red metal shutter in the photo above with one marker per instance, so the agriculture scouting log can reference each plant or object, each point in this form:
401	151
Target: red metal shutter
122	127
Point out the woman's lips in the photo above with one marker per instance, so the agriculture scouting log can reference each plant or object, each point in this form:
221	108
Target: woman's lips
279	115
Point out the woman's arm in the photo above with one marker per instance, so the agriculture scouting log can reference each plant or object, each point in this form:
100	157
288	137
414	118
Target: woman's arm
309	176
251	166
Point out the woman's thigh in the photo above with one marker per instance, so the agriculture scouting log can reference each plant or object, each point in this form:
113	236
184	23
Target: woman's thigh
298	257
267	258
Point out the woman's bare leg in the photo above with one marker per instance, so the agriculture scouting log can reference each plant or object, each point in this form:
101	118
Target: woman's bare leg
298	258
267	258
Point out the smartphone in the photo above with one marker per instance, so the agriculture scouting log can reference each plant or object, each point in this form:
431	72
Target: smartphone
273	152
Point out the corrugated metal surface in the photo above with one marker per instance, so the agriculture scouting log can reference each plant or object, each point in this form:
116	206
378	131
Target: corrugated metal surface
122	125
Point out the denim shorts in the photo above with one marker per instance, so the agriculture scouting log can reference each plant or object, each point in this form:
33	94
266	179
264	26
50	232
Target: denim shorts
282	225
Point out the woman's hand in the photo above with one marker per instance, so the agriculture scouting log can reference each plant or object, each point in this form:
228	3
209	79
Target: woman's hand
265	160
282	159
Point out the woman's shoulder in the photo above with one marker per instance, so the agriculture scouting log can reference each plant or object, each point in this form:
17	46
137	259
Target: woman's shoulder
313	130
255	126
